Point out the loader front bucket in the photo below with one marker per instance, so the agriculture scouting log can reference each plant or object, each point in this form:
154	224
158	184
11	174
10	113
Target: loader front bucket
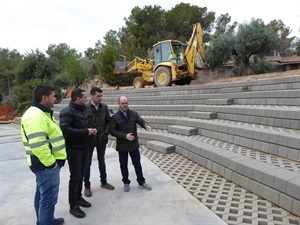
120	67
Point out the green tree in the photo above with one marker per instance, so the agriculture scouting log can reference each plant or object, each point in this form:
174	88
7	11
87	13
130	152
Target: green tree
297	46
76	73
179	21
223	25
59	54
9	61
34	65
88	66
261	65
105	64
221	45
22	93
61	80
145	25
34	69
283	32
92	55
220	49
253	39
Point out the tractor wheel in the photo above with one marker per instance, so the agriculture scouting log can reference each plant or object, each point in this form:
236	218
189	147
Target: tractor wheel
138	82
179	82
162	77
188	80
183	81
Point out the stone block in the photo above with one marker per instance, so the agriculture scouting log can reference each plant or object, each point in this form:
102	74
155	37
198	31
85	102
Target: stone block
296	207
285	202
160	146
202	115
184	130
293	187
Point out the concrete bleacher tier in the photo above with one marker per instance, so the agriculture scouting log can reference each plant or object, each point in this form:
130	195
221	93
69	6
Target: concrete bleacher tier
260	117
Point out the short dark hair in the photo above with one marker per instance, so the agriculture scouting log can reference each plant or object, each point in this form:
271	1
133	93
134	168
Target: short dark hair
94	90
76	93
41	90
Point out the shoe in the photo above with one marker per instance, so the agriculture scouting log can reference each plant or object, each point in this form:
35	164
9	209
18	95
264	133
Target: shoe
77	212
107	186
145	186
87	192
59	221
126	187
84	203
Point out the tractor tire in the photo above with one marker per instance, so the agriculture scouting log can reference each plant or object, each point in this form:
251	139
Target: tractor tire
183	81
162	77
188	80
179	82
138	82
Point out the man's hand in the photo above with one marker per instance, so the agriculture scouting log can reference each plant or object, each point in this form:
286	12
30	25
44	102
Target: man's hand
148	128
92	131
130	137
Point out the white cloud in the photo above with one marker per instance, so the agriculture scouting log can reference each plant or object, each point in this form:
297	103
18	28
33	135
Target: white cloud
31	24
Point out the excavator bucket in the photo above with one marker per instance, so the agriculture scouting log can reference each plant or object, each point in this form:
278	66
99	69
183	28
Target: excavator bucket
120	67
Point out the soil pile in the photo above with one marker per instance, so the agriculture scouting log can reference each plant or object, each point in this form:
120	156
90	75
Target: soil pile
7	114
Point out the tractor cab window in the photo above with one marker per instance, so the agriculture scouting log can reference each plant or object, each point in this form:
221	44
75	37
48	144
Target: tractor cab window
166	52
156	55
178	53
162	53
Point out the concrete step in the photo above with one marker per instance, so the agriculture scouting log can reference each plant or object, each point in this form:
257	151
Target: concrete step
278	185
229	101
202	115
278	141
184	130
278	97
160	147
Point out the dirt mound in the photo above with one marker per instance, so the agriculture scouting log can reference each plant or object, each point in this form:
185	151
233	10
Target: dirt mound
210	79
254	77
7	114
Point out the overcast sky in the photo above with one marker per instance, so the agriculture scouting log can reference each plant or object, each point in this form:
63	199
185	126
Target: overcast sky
27	25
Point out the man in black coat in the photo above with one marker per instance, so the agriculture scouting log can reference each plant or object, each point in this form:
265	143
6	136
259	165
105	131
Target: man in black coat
99	118
123	126
75	127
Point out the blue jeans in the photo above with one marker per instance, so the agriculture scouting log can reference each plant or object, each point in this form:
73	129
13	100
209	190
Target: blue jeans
136	162
46	194
101	165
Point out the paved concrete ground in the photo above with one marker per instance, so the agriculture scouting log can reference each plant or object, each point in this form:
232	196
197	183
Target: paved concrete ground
167	202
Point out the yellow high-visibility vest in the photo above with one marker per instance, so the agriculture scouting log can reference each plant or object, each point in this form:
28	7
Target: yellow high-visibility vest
42	137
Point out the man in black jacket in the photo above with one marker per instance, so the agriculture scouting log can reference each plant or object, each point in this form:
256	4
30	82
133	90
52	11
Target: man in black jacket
76	130
123	126
99	118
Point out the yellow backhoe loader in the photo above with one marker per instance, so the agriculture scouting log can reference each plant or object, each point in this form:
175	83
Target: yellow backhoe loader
173	62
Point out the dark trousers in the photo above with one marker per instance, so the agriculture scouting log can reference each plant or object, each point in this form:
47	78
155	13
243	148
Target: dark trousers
101	165
136	162
77	165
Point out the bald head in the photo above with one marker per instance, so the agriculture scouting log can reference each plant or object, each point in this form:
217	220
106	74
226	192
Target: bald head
122	99
123	103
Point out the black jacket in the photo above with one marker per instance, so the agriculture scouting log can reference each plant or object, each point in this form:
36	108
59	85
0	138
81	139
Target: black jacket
100	120
120	126
74	125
